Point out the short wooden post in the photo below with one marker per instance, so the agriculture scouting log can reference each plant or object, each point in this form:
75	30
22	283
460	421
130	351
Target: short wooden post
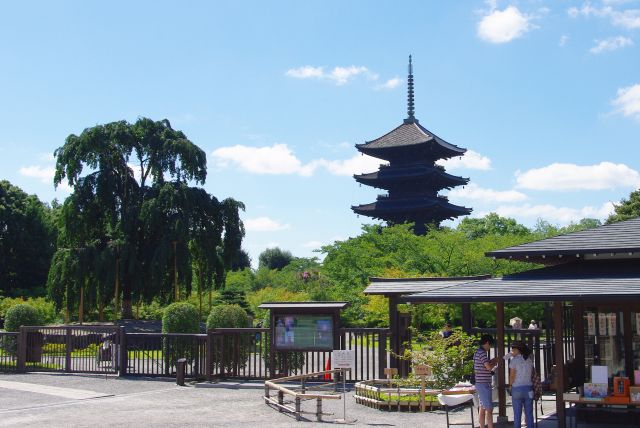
280	400
422	370
298	409
181	368
22	349
319	409
390	373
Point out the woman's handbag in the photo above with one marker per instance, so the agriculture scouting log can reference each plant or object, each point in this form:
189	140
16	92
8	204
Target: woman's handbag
537	385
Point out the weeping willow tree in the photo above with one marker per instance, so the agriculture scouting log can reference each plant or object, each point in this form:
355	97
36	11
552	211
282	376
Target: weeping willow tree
133	228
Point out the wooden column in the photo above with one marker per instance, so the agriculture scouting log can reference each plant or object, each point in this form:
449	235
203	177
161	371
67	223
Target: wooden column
466	317
559	362
502	396
394	333
627	340
578	353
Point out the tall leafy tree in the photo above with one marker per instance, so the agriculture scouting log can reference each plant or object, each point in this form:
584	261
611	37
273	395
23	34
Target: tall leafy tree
626	209
133	221
27	241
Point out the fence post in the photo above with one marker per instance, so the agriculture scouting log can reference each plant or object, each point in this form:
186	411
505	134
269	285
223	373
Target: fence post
209	357
69	347
382	353
124	353
22	349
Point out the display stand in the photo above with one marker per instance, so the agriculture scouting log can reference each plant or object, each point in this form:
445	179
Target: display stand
343	360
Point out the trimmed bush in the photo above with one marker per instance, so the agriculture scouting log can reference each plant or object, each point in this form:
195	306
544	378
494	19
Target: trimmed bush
233	351
180	317
227	316
21	314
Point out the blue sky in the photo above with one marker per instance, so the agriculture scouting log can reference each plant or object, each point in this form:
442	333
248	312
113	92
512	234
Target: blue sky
545	95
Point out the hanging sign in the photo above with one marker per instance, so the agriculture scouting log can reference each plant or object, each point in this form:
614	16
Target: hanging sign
602	324
611	321
591	324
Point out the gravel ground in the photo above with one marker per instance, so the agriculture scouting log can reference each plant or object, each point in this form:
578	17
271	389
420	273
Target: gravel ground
151	402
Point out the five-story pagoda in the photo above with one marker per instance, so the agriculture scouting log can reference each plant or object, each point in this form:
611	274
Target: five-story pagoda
412	178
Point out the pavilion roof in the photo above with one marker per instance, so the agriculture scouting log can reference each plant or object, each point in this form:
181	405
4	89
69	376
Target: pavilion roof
404	286
578	281
618	238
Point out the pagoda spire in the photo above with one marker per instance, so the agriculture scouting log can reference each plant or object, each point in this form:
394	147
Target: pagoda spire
410	107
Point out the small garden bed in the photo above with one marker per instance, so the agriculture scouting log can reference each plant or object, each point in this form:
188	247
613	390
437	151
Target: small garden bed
383	395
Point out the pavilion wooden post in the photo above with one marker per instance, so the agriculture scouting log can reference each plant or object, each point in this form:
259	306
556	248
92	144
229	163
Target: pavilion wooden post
559	362
466	317
502	396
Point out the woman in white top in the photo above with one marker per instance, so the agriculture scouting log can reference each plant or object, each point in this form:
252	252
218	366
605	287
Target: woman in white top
520	370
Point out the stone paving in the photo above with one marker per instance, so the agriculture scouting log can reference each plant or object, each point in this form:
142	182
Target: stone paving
139	402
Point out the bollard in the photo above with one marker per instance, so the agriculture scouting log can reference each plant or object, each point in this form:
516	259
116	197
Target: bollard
181	368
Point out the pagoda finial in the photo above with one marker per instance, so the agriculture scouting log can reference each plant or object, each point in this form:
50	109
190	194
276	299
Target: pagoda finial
410	107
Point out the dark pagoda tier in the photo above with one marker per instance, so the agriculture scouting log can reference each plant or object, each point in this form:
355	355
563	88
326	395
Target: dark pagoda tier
412	178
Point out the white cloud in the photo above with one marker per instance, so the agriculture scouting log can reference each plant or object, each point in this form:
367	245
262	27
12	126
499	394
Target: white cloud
358	164
563	40
566	176
476	193
555	214
390	84
276	159
503	26
338	75
628	101
628	18
264	224
47	157
306	72
470	160
610	44
280	160
45	174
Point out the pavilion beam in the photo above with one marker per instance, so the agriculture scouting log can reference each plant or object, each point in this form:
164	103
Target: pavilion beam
559	362
502	396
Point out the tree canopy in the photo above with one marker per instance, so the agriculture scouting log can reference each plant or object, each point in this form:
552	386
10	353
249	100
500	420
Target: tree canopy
27	241
134	226
275	258
626	209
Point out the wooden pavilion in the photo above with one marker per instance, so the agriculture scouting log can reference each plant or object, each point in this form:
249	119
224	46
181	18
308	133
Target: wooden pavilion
592	280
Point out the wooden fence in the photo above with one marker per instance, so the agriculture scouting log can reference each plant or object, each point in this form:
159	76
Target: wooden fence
221	353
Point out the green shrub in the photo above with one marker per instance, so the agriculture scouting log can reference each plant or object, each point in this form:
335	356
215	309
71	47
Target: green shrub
233	351
180	317
21	314
227	316
45	308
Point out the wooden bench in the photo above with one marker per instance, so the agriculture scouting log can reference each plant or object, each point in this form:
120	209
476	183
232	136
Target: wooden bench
303	393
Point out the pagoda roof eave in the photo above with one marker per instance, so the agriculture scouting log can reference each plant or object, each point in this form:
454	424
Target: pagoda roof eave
407	135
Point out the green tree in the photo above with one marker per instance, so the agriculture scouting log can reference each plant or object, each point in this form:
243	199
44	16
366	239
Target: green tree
626	209
133	227
27	242
275	258
491	224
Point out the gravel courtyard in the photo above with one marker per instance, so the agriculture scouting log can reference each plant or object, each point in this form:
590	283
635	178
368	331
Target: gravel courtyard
57	400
